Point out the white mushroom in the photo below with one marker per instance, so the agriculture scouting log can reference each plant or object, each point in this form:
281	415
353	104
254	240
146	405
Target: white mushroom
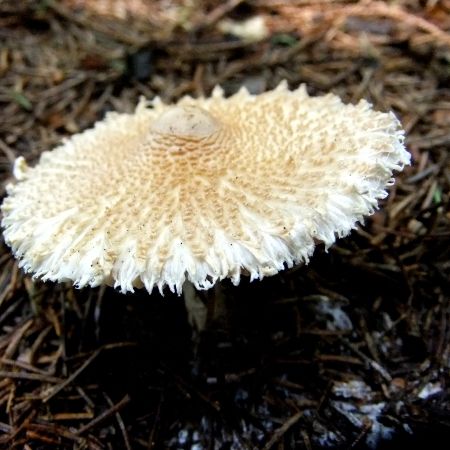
207	189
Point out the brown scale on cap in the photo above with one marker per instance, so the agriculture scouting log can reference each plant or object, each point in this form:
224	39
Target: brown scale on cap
203	190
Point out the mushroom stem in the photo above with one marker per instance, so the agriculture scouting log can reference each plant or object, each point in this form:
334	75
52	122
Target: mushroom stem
217	307
204	308
196	310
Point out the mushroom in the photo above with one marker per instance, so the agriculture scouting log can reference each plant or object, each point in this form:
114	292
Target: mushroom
202	190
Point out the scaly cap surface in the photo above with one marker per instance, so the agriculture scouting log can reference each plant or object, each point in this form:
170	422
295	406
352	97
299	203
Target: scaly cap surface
207	189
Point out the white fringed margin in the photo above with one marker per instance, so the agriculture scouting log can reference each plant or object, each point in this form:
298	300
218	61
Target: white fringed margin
227	258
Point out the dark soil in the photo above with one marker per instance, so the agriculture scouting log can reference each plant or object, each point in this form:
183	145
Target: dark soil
351	351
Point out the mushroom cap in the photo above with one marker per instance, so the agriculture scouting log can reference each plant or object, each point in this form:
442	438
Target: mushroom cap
202	190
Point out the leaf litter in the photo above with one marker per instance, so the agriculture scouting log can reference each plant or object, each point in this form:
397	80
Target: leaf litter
352	351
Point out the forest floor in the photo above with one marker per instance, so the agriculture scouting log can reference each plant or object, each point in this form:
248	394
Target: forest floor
351	351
